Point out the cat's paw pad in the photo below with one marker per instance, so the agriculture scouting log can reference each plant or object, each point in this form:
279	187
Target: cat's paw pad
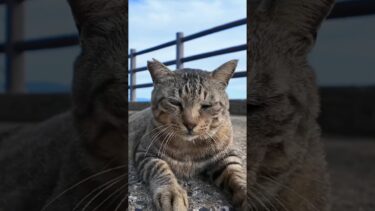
170	198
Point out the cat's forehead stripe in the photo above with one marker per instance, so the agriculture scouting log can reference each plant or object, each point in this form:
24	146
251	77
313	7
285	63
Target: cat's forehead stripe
192	83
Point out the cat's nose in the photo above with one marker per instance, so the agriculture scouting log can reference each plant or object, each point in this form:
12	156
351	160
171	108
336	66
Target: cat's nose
190	126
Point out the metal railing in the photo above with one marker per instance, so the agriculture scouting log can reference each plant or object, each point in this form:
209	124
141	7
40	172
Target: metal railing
341	10
180	59
15	46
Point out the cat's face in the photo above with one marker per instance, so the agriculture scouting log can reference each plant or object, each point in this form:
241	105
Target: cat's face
193	103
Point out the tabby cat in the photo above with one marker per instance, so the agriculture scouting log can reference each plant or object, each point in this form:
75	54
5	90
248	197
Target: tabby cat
187	131
286	163
77	160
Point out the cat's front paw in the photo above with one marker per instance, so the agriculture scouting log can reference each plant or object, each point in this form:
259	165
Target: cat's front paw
170	198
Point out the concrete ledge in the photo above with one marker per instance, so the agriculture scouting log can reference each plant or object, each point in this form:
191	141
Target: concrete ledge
345	110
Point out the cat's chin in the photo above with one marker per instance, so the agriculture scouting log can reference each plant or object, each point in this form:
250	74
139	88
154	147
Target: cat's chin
190	137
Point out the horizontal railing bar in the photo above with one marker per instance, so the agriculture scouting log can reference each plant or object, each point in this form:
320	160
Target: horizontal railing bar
235	75
216	29
215	53
155	48
44	43
200	56
142	86
140	69
239	74
196	35
353	8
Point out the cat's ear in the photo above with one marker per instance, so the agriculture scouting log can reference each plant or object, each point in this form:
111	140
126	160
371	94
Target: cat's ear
89	12
304	14
301	17
225	72
158	70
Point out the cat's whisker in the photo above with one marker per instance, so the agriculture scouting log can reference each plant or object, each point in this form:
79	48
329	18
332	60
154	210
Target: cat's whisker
164	147
120	193
155	137
110	196
159	131
96	189
101	191
291	190
108	164
254	196
250	197
121	202
155	129
82	181
267	196
267	201
166	144
161	144
166	140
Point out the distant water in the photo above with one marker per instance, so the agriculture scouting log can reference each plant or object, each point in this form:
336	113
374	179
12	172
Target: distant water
142	99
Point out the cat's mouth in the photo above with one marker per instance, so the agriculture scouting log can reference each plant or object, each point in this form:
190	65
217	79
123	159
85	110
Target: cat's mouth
190	137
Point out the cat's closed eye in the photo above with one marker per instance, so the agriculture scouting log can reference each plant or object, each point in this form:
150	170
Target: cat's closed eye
206	106
175	103
211	107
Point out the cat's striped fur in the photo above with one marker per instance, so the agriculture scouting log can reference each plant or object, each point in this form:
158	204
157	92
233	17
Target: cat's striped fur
187	131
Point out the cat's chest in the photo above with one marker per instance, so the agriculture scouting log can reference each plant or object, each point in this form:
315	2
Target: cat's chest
189	166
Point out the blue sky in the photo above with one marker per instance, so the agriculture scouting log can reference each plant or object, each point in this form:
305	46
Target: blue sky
343	55
152	22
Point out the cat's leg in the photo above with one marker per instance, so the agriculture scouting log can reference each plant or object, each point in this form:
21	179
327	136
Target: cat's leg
229	174
167	194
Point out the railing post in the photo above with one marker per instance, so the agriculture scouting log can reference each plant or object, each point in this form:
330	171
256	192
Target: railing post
133	65
14	60
179	50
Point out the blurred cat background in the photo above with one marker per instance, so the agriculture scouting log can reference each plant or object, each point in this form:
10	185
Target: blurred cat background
38	45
